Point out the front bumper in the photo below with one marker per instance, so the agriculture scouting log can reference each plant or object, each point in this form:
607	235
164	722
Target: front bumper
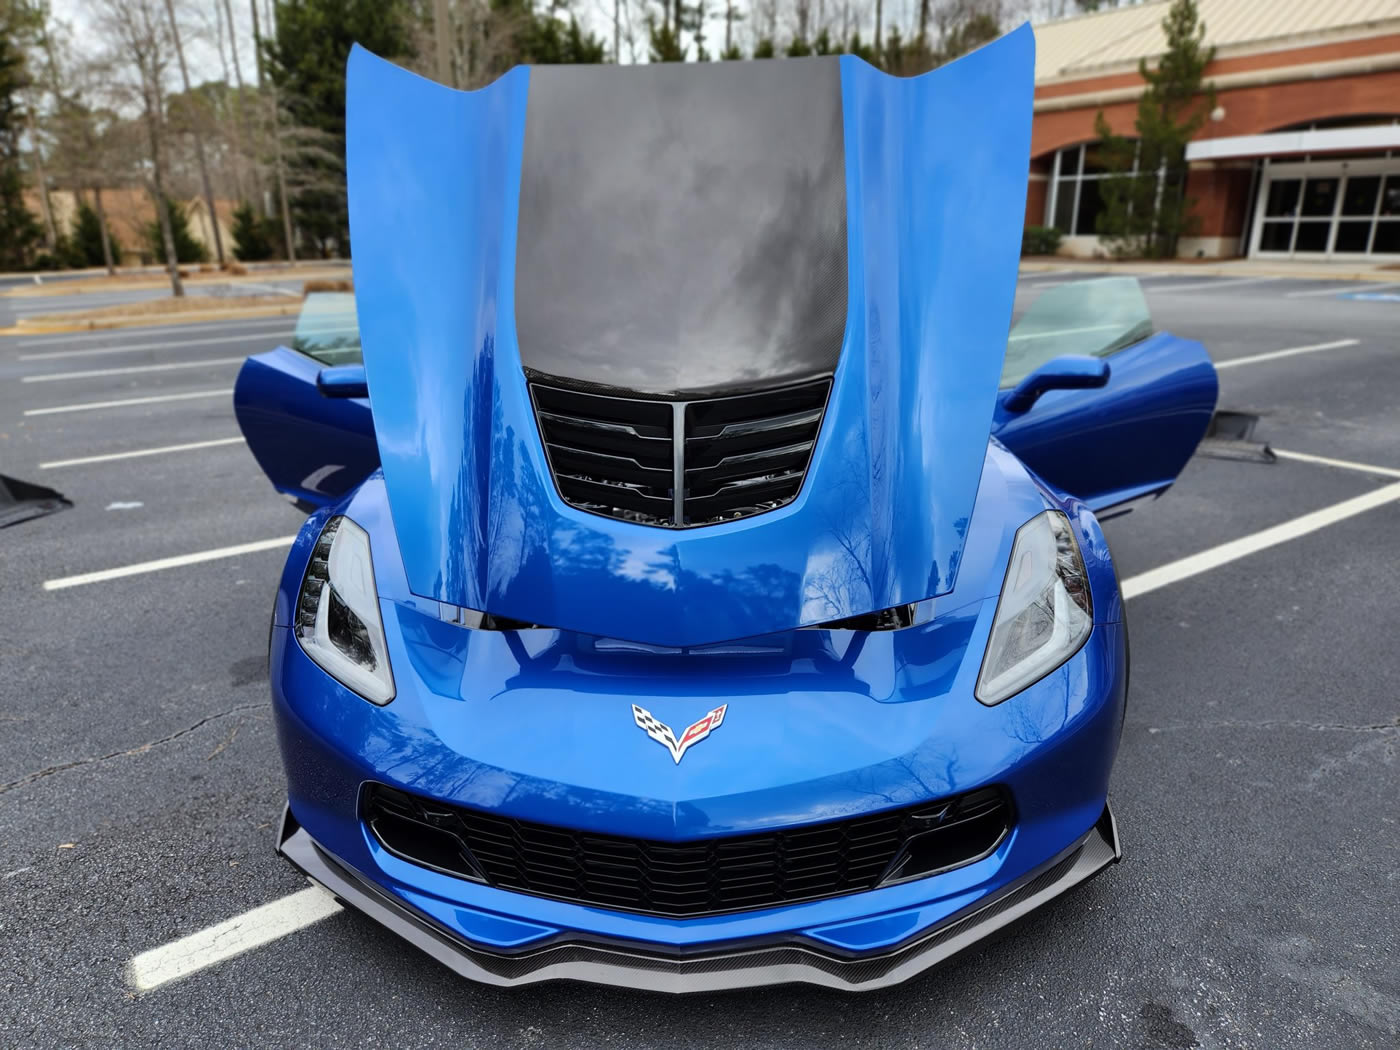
787	960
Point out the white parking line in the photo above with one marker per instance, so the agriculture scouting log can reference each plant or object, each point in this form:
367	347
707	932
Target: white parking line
1233	282
1195	564
1344	464
172	344
273	288
92	373
159	564
88	406
1350	286
231	937
110	456
1274	355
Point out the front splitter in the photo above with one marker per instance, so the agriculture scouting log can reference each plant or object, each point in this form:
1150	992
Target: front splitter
646	967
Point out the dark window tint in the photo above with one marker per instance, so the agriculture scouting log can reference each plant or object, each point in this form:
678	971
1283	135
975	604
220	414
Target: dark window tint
1090	204
1352	236
1312	237
1069	161
1319	195
1275	236
1360	195
1064	204
1283	197
1390	196
1387	238
1095	160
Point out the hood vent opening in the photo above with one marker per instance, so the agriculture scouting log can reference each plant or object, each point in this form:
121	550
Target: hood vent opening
734	457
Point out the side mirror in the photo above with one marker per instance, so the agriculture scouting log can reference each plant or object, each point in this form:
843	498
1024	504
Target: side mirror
1070	372
343	381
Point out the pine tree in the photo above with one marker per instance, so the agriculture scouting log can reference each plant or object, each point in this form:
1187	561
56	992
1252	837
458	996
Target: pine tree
1147	213
187	249
305	59
250	240
85	243
19	230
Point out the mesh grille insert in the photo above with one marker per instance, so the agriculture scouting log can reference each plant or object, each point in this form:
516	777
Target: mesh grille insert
734	456
697	877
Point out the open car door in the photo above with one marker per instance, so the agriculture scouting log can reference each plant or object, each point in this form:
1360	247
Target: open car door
304	409
1097	402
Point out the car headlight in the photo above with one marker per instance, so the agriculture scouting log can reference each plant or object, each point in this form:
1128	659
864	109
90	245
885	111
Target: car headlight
337	619
1045	612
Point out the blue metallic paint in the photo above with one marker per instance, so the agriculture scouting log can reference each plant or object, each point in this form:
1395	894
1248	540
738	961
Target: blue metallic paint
343	381
1068	372
537	725
882	517
313	448
1127	439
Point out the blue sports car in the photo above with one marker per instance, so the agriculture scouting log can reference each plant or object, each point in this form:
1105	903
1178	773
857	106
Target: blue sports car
701	590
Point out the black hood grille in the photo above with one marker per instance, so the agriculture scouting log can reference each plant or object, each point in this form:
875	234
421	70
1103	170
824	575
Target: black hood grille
678	464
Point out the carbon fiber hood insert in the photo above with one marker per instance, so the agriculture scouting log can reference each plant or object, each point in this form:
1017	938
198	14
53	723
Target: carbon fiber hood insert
682	233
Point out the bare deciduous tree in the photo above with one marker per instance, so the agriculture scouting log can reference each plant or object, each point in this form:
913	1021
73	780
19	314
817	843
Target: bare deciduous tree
140	43
198	135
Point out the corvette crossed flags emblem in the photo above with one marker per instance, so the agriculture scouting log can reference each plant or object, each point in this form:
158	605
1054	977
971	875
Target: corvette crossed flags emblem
663	734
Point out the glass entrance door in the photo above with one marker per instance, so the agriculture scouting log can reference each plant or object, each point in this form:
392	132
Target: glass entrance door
1325	210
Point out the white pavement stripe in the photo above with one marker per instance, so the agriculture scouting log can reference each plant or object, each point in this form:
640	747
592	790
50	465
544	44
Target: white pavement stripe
1293	351
1343	289
110	456
1232	282
273	288
92	373
1195	564
88	406
173	344
232	937
1344	464
54	338
179	560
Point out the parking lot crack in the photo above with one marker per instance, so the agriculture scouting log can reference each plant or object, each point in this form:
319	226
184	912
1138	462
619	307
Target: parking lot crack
130	752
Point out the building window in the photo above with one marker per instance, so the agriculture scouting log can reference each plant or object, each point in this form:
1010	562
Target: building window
1075	200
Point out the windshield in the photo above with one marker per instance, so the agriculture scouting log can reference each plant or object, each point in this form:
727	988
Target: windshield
1095	317
327	329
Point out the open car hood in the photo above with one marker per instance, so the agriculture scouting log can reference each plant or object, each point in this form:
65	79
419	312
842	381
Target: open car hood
485	251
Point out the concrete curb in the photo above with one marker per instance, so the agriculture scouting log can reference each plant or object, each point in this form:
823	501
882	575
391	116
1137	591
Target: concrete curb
100	282
287	309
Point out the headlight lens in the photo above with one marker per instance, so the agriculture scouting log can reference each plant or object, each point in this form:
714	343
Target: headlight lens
1045	611
337	620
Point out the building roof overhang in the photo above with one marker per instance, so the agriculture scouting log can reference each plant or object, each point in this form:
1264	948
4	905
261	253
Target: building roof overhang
1279	143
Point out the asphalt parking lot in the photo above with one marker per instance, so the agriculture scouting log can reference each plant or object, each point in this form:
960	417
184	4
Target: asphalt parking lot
1255	790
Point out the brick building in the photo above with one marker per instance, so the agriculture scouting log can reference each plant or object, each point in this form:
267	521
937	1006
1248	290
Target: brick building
1301	156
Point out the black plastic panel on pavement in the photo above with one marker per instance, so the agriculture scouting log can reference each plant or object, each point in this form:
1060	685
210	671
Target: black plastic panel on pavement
20	501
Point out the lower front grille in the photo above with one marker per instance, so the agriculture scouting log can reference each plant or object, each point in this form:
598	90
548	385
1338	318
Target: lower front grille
693	878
